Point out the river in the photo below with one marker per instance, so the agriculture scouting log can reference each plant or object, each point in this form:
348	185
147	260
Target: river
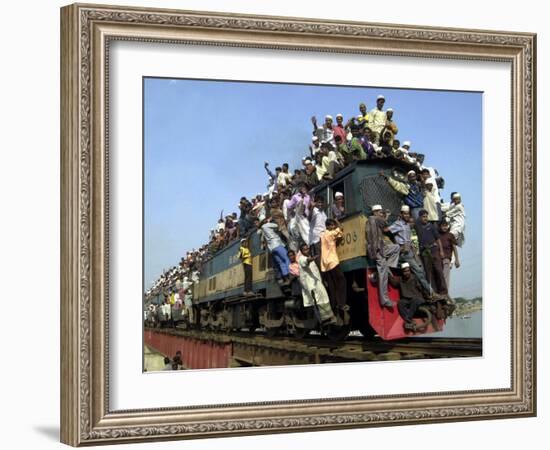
466	328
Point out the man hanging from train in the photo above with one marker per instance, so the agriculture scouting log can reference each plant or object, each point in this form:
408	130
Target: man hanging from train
412	294
299	211
450	252
316	227
246	260
401	231
412	190
456	215
314	293
330	264
431	252
270	233
386	254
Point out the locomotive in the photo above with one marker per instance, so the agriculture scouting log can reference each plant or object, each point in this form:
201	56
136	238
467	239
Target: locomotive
218	301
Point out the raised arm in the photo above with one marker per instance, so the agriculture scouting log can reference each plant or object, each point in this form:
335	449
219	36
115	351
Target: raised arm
398	186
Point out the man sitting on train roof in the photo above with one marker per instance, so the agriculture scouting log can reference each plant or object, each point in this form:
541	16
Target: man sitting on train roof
315	146
366	137
412	295
386	254
354	150
330	164
363	118
326	132
340	129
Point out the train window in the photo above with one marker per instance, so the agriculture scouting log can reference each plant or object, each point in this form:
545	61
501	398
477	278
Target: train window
343	188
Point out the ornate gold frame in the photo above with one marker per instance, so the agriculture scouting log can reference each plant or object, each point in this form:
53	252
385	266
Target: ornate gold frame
86	31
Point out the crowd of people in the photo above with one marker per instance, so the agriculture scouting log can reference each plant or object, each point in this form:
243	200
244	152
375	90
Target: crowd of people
302	238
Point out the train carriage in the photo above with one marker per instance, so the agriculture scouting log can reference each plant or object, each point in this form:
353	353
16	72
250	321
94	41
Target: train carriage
219	303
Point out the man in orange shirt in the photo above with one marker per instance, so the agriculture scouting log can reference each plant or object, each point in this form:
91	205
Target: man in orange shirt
330	265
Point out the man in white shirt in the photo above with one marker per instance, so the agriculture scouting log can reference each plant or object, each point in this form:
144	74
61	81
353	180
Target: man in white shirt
316	227
284	178
330	164
456	215
377	119
326	132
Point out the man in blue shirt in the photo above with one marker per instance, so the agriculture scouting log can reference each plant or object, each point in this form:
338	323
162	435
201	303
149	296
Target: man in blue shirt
401	231
411	190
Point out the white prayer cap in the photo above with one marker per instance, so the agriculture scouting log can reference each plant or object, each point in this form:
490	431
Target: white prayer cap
411	172
338	194
243	240
266	194
407	143
405	266
405	208
328	116
308	161
314	139
377	207
430	181
380	97
389	110
339	115
456	195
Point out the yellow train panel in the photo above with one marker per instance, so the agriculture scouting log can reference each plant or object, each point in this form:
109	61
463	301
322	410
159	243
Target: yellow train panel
354	243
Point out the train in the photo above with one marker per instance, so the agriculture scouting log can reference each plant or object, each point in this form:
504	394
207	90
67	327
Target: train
218	301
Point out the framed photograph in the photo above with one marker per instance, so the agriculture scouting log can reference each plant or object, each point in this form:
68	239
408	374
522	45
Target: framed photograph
279	224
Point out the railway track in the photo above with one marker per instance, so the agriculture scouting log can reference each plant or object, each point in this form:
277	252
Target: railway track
259	350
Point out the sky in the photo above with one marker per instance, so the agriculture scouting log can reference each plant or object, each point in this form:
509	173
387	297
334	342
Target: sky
205	143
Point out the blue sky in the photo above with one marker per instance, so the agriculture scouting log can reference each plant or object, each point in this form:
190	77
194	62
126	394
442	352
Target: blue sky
205	143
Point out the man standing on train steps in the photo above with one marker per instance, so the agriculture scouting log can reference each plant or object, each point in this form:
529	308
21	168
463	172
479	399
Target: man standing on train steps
411	295
246	259
386	254
314	293
431	252
401	231
330	265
